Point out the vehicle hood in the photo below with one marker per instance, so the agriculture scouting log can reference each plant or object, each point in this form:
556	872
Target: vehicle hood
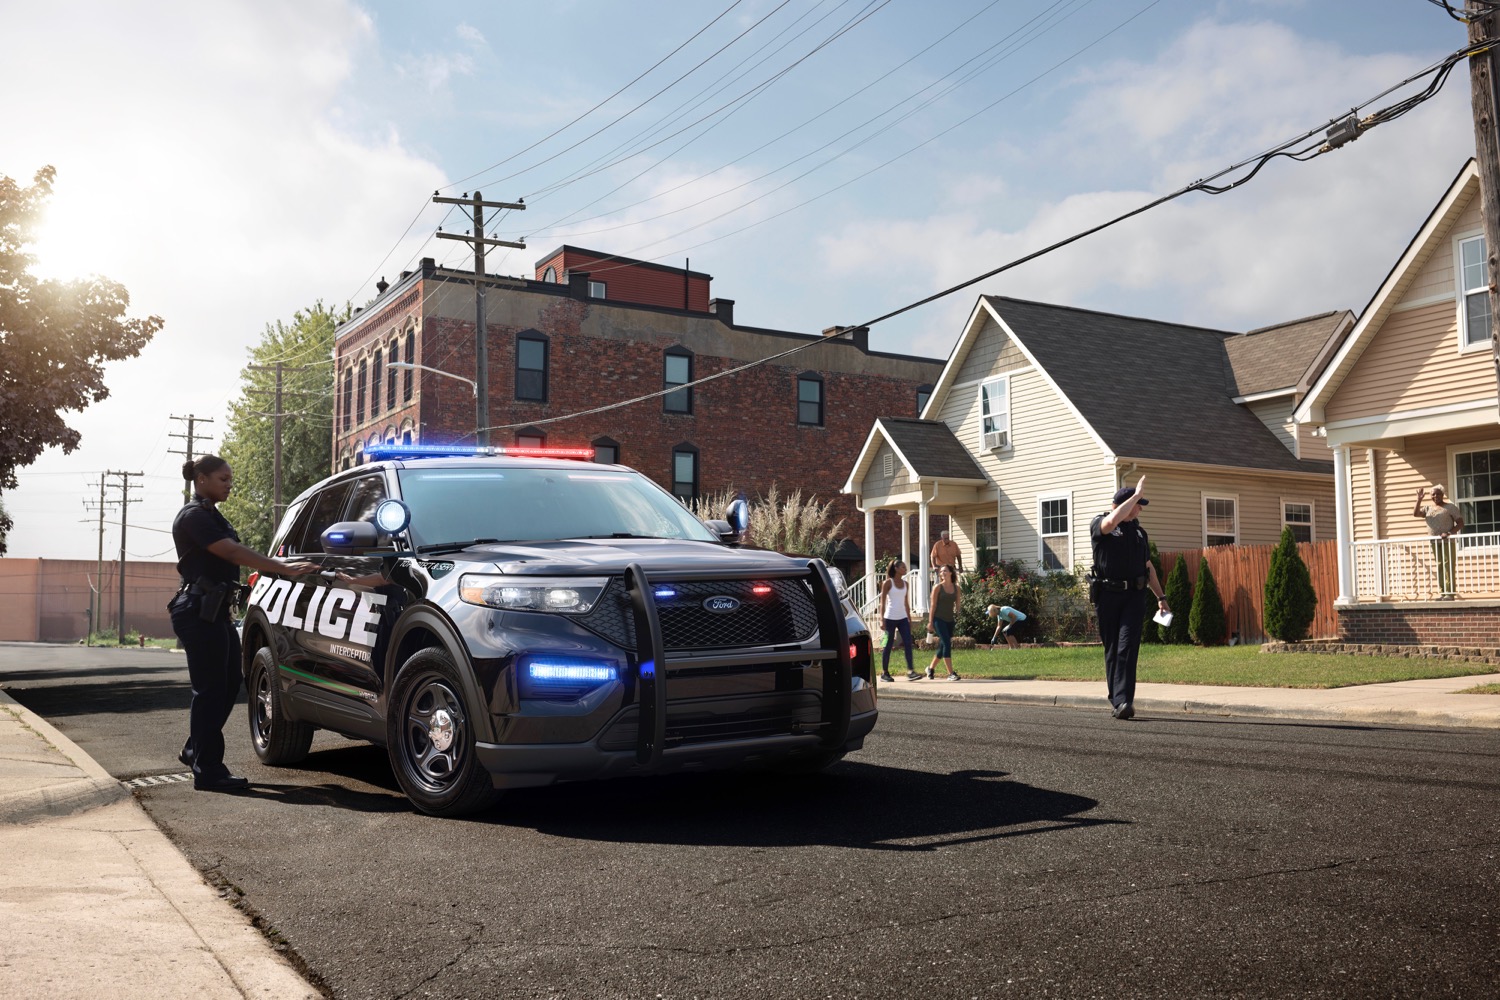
610	556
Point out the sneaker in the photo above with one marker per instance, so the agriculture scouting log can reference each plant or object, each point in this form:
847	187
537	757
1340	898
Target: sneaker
954	677
912	675
887	678
930	674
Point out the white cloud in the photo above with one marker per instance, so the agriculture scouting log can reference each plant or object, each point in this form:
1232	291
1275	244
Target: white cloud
212	177
472	35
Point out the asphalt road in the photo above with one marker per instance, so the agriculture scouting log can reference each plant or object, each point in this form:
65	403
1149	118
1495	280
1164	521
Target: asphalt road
970	851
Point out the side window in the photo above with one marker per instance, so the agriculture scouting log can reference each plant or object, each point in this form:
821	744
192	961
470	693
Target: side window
293	524
326	509
367	494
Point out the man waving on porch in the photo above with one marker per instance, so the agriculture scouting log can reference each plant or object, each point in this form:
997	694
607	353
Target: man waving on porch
1444	520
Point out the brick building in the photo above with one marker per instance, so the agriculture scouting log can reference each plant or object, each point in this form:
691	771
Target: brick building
590	329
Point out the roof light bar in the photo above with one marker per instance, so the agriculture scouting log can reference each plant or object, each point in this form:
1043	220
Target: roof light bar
399	452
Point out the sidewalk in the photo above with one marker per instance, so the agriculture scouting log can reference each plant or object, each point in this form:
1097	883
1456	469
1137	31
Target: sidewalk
1432	702
95	901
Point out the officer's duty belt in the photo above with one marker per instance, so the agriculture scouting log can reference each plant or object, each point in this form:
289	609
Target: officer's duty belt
1139	583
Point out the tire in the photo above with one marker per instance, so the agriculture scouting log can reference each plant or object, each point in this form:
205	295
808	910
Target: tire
278	740
430	739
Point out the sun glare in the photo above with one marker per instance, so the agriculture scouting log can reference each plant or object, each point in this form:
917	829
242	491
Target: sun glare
62	244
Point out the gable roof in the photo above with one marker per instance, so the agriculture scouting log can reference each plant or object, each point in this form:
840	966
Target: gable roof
928	449
1282	358
1419	251
1149	390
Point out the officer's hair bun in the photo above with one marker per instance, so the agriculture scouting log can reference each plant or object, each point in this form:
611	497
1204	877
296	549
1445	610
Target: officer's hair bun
206	465
187	469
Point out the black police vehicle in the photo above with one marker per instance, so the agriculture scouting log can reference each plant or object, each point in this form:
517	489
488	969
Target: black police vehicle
506	620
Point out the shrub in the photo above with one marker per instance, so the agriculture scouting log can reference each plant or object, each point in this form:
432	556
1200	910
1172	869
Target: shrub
1055	604
1206	621
791	524
1150	631
1290	600
1179	597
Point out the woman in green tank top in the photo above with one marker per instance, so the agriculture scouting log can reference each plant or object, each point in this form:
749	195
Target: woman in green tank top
943	612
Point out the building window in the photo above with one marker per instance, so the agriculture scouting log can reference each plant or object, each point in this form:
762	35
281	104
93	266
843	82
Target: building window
411	357
677	370
531	367
550	275
1299	517
359	396
596	290
1473	293
348	399
606	451
1056	538
1221	523
530	437
810	399
986	542
924	393
685	473
994	414
377	376
390	383
1476	489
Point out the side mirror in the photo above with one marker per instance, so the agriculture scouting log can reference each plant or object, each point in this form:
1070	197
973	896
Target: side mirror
725	531
350	538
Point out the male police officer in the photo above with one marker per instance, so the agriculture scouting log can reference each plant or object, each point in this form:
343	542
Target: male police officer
1121	575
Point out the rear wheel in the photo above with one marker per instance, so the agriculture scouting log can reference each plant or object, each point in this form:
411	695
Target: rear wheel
430	738
277	739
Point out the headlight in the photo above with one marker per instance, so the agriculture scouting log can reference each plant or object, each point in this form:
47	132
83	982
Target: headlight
565	595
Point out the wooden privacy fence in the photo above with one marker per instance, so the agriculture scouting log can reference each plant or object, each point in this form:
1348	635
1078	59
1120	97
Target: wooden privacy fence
1240	572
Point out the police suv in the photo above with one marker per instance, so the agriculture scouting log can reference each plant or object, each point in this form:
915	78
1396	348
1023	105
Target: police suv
502	619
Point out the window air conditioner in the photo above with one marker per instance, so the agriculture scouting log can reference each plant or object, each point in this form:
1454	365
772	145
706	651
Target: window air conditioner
996	439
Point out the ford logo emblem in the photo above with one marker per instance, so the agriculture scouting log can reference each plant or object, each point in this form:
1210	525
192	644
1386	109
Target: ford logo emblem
721	604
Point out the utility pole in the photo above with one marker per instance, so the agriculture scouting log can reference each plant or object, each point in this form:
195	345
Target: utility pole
188	452
1484	97
477	241
276	413
96	593
125	503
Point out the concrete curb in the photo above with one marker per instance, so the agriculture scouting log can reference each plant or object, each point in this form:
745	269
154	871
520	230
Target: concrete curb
96	788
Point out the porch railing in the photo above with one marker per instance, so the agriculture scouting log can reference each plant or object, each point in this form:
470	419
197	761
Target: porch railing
1407	569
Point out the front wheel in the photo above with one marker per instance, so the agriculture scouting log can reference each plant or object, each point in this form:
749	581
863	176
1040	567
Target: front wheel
277	739
430	739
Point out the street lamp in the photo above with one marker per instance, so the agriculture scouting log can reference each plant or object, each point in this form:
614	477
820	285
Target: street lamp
473	385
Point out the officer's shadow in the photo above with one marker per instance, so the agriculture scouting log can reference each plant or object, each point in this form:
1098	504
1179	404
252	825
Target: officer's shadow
850	805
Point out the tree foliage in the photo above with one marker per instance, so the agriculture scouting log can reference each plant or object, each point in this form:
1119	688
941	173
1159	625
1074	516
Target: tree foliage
1206	622
1150	631
303	346
1290	600
1179	596
54	339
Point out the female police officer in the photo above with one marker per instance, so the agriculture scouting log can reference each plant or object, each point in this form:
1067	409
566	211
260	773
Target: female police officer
209	555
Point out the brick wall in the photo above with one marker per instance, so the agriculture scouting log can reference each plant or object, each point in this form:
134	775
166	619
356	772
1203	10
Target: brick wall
1466	624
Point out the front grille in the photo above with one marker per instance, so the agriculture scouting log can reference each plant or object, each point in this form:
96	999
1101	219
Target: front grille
784	616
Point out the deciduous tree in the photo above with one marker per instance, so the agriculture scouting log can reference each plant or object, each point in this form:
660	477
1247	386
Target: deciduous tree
54	339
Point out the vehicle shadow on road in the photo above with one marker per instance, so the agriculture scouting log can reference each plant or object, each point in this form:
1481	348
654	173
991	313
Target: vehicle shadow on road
851	805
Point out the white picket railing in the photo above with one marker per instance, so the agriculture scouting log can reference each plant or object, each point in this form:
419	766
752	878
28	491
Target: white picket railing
1406	569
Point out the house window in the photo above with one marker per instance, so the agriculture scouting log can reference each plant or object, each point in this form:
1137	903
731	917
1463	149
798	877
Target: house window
411	357
606	451
677	370
1476	489
685	473
348	398
986	541
390	383
1474	293
924	393
1056	544
994	414
530	437
596	290
531	368
1221	523
550	275
810	399
359	398
377	376
1299	517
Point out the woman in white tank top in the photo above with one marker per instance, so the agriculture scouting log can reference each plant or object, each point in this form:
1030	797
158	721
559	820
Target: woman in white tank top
895	610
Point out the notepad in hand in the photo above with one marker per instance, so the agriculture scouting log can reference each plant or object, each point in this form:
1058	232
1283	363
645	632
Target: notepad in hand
1163	618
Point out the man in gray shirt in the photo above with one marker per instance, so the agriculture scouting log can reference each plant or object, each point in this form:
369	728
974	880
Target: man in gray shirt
1444	520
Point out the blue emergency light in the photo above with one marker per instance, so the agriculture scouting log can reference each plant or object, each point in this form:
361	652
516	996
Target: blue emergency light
402	452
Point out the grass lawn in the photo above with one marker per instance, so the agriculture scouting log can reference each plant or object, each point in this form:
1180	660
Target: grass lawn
1243	666
1482	689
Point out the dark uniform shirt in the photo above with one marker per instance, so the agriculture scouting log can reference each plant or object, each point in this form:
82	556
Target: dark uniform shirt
194	529
1122	554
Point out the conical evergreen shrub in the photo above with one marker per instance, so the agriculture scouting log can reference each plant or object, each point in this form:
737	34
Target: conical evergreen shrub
1290	601
1206	621
1179	599
1150	631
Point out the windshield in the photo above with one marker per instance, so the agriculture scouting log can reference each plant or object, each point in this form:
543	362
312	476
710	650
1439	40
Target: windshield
527	505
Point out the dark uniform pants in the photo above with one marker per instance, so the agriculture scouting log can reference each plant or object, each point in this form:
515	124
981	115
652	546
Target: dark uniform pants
1120	615
213	660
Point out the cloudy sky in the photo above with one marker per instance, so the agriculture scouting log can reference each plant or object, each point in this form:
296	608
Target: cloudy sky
825	161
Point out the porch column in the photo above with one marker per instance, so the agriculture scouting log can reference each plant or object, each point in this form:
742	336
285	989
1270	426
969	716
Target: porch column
924	532
870	587
1344	529
905	539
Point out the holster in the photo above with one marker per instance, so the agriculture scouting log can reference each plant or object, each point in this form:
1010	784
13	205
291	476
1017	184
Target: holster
211	597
